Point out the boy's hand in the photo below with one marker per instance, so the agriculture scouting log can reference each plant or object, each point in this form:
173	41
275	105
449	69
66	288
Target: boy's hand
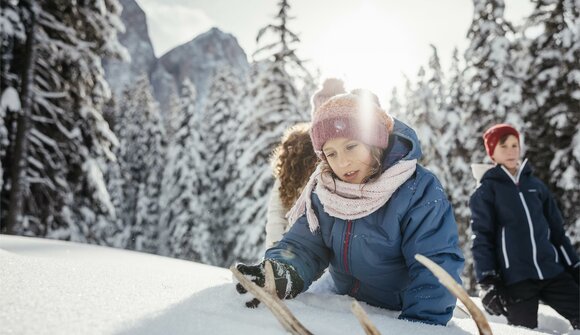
287	281
492	296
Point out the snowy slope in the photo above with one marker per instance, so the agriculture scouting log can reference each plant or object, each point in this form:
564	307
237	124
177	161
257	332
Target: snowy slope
55	287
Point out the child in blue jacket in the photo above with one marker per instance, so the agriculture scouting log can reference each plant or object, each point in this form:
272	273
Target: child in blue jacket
520	248
365	212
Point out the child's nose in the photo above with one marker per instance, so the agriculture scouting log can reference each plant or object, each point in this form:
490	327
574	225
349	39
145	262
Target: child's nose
343	161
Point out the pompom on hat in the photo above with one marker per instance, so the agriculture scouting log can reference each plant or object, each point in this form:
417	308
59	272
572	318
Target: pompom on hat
330	88
492	136
355	115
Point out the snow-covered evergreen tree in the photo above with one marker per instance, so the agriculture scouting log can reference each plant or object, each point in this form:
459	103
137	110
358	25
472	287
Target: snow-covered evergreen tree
309	86
141	155
553	100
9	103
495	91
185	219
461	184
220	124
272	106
273	110
395	106
430	120
55	174
173	117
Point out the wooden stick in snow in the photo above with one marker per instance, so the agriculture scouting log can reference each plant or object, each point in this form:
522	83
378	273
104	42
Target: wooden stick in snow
446	280
276	306
363	319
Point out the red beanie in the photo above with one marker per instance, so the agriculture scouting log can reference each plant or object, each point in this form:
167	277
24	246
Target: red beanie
492	136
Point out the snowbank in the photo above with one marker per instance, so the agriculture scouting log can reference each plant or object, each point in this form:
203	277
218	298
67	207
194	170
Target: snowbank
55	287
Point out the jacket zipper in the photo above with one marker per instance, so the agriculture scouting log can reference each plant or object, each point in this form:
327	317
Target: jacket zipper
346	245
516	181
534	249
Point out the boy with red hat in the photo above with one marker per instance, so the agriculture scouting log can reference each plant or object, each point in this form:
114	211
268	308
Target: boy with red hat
520	249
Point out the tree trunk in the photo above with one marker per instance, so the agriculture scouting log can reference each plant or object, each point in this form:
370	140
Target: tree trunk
20	160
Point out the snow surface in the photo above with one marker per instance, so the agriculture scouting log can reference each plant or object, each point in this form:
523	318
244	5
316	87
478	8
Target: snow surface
55	287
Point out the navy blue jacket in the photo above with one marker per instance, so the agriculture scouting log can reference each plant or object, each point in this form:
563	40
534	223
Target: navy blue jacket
517	227
372	258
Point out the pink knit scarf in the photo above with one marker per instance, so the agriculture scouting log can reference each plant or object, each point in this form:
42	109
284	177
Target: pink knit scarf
349	201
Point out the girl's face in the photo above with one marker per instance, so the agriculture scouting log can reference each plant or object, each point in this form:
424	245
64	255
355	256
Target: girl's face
349	159
508	153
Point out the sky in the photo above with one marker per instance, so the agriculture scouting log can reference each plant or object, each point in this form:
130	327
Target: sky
58	287
368	43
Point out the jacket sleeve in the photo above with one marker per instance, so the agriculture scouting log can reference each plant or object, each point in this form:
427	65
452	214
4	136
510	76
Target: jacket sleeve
557	233
484	228
276	223
302	249
429	229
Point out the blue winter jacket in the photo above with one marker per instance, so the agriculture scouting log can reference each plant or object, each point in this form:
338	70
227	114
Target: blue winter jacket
372	258
517	228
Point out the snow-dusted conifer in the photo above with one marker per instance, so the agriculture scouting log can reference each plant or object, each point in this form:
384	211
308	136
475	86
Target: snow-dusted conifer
495	91
273	110
184	217
395	106
220	124
273	106
553	102
430	122
68	140
461	184
141	157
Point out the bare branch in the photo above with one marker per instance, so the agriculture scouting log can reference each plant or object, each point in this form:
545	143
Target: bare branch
446	280
270	285
363	319
278	308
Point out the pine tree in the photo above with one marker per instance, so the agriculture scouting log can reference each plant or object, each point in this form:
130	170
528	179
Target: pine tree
430	120
62	141
9	103
221	121
184	219
461	184
274	109
284	41
395	105
553	102
173	117
273	106
494	94
141	155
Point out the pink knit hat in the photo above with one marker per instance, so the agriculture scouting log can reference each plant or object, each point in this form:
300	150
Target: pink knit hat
354	115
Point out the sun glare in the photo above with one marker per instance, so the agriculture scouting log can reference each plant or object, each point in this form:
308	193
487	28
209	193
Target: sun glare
365	48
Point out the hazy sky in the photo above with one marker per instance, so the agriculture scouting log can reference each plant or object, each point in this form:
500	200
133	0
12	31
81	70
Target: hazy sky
369	43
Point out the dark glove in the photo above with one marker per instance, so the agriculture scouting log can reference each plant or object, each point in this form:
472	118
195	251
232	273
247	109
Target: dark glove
492	296
287	281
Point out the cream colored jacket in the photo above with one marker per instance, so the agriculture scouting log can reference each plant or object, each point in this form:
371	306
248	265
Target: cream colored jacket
277	224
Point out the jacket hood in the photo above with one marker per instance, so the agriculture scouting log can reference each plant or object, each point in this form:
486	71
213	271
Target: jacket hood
478	170
403	145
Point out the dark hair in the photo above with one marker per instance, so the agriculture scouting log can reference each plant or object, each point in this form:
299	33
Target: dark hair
504	138
293	162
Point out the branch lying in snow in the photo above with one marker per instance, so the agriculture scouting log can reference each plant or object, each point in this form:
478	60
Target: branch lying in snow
271	300
363	319
446	280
